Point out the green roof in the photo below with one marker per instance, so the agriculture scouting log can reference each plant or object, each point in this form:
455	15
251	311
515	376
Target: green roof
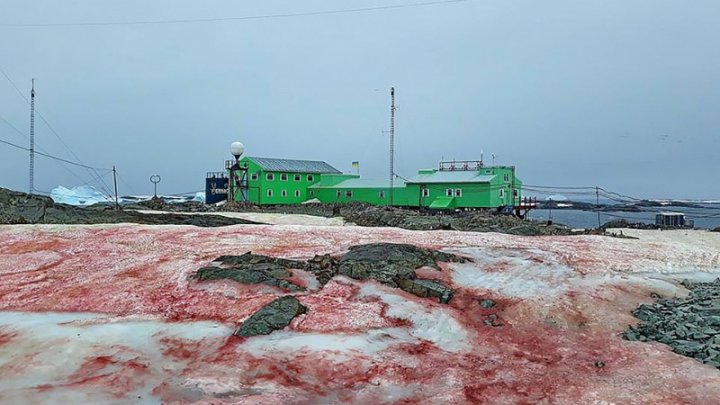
451	177
293	166
363	183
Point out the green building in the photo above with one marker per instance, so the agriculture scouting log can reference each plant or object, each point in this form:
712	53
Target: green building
348	187
476	187
466	184
268	181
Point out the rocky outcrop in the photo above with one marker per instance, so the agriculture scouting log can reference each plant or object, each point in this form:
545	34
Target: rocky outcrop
22	208
388	263
395	264
324	267
252	269
691	326
273	316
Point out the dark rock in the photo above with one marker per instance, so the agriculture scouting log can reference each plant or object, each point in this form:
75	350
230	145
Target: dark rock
427	289
325	267
21	208
486	303
690	326
273	316
395	265
252	269
387	263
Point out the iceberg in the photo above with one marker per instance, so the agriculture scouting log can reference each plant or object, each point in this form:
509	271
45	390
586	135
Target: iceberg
79	196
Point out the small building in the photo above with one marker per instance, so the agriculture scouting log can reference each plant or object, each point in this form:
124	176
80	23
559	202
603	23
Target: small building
464	186
673	219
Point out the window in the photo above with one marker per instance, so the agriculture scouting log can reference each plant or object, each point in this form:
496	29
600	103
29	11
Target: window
310	177
297	193
284	177
254	177
283	193
348	194
339	193
458	192
426	192
449	192
382	194
502	193
515	193
269	193
506	178
312	192
297	177
269	177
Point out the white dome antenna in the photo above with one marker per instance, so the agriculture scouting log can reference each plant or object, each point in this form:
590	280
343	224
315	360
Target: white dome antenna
237	149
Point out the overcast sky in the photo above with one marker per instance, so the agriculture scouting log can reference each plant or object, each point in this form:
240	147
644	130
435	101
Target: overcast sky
617	93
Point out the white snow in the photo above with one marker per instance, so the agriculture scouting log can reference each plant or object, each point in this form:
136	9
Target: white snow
269	218
434	324
367	343
512	272
57	344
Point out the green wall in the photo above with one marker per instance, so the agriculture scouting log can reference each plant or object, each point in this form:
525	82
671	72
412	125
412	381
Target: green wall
370	195
263	191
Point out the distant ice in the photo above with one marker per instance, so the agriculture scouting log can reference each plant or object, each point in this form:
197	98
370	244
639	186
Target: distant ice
79	196
83	196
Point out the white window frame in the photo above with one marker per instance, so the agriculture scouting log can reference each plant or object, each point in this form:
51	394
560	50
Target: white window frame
348	193
269	193
449	192
283	177
426	192
310	178
283	193
458	192
297	177
338	193
270	176
297	193
254	176
502	193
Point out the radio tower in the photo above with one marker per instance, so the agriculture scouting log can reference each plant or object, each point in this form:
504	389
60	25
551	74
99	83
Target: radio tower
32	139
393	108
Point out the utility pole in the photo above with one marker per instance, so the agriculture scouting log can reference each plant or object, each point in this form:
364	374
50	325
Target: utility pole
393	108
597	204
117	205
31	188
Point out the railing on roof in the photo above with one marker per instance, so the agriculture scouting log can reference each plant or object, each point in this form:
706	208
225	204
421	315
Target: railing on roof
461	165
217	175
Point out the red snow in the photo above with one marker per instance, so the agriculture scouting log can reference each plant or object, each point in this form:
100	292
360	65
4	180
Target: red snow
563	348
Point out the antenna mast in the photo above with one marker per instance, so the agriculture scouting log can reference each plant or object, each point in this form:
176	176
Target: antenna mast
32	139
393	108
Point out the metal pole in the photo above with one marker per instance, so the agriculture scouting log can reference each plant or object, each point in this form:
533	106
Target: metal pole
117	205
31	188
597	204
392	143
